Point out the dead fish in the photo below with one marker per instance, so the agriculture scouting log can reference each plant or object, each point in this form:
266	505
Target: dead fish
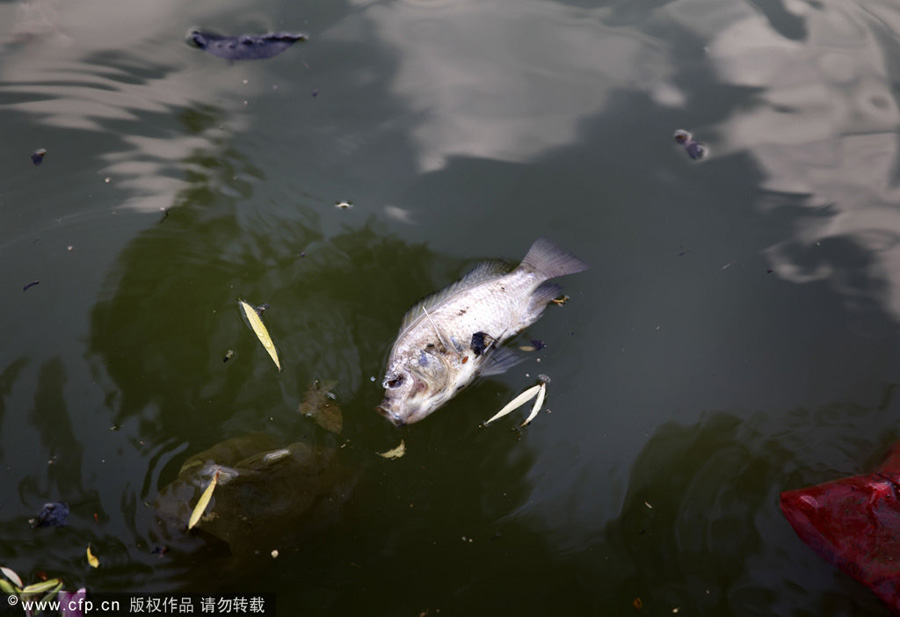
695	149
245	47
451	337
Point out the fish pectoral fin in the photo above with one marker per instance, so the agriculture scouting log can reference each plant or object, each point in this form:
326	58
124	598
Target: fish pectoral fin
541	297
499	361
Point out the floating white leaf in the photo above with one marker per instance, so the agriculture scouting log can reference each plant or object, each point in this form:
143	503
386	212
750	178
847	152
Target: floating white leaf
517	402
11	575
537	405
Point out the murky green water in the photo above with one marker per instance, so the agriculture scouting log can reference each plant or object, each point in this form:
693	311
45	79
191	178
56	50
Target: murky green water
736	335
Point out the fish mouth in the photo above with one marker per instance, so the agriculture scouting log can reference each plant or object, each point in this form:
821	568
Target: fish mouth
395	418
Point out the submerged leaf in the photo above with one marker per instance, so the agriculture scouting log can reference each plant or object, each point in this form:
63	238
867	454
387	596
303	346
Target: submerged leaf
203	502
11	575
537	405
517	402
259	329
319	404
92	559
395	452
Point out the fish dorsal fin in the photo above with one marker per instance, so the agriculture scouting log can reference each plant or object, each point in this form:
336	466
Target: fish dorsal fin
484	271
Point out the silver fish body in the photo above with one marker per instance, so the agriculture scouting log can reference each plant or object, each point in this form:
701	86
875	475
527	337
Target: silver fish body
451	337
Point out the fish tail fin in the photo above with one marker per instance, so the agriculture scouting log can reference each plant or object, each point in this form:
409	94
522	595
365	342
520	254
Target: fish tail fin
550	261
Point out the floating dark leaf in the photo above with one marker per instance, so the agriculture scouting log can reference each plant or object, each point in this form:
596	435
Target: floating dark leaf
538	345
319	404
51	515
30	285
37	157
246	46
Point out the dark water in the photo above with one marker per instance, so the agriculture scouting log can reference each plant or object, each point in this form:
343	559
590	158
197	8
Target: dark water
736	335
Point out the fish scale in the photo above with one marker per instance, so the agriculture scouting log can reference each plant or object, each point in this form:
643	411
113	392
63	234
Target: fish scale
436	355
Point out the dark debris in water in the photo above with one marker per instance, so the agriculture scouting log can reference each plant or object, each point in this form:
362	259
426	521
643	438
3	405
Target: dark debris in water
695	149
30	285
160	551
37	157
51	515
246	46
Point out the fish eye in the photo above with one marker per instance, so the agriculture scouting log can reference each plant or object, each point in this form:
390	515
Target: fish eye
395	382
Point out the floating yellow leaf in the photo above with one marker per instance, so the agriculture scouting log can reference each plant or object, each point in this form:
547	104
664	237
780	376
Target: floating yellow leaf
517	402
11	575
92	559
259	329
52	593
8	589
537	405
394	453
53	582
200	508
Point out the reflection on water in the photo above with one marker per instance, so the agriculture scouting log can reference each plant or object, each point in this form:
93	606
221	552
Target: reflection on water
116	89
507	80
823	129
700	529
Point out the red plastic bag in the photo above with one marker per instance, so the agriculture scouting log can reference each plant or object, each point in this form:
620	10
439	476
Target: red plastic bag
854	523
